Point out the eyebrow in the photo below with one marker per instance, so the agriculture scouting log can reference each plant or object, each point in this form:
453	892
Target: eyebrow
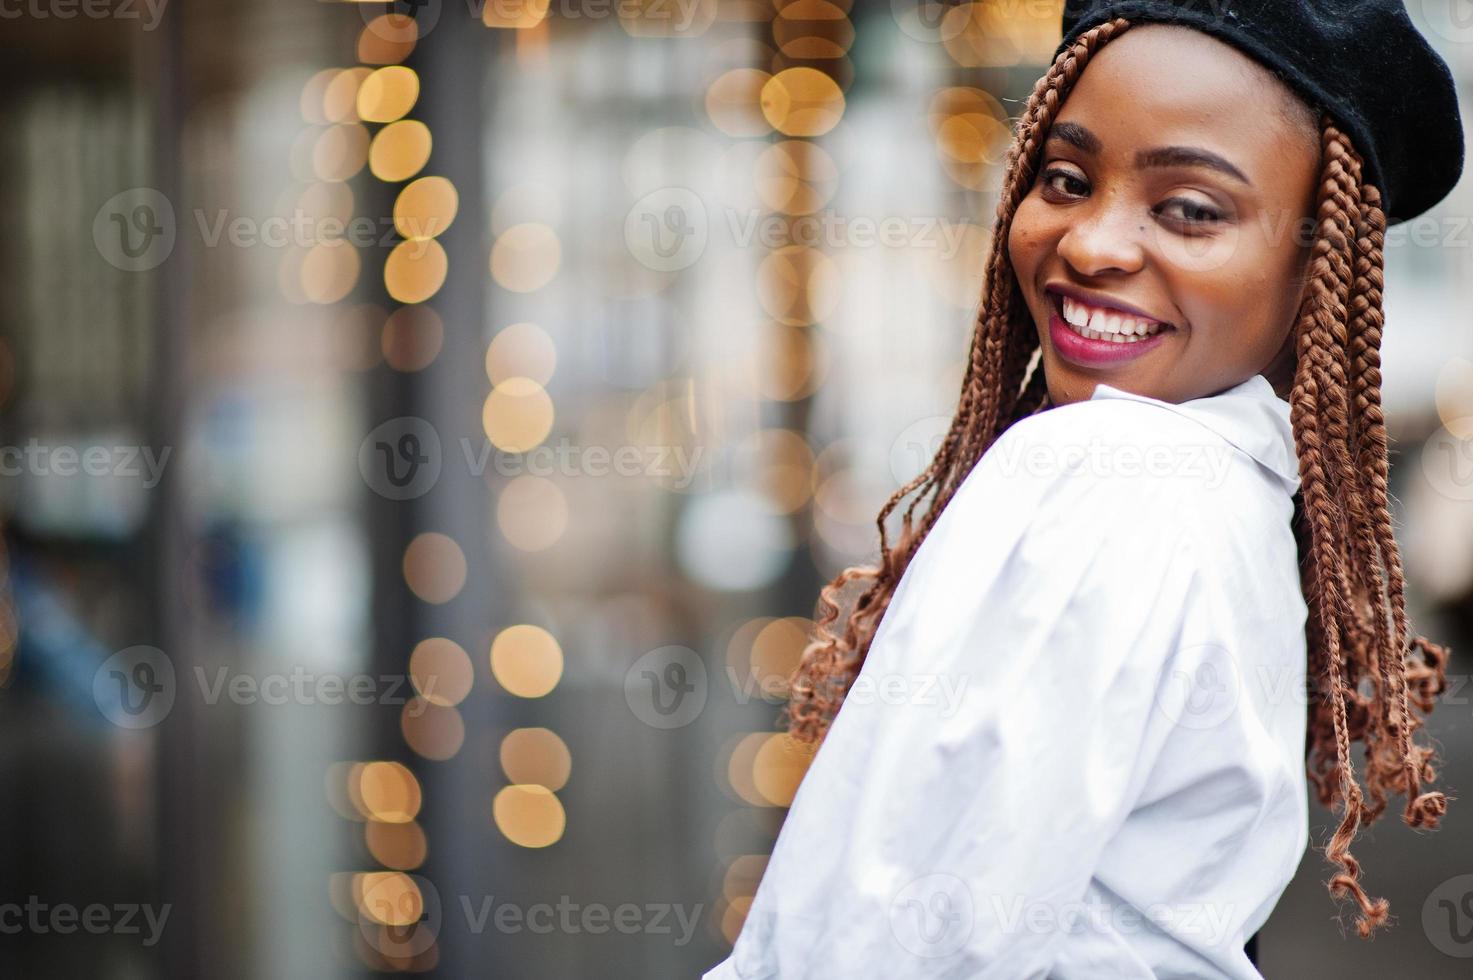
1162	156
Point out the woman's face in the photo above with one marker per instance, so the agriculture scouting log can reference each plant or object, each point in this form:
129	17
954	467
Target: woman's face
1170	214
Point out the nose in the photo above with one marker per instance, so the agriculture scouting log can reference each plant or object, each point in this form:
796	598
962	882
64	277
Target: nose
1107	237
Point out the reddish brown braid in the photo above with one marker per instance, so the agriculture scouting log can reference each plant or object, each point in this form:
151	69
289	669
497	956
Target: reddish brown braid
1367	669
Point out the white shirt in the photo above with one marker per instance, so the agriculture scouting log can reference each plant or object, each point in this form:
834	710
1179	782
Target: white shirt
1076	748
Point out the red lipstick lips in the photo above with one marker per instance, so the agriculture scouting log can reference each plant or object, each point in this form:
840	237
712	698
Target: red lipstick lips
1084	351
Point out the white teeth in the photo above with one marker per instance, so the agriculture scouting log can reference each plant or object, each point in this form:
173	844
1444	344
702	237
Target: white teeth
1098	324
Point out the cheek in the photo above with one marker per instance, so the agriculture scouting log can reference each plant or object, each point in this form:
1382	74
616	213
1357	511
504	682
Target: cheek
1239	300
1027	241
1230	254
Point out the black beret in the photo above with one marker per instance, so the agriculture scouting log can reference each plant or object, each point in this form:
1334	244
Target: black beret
1362	61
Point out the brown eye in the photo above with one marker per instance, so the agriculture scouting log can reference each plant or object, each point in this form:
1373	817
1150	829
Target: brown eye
1065	182
1192	213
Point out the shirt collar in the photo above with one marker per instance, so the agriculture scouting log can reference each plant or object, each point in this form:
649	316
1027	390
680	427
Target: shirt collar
1249	415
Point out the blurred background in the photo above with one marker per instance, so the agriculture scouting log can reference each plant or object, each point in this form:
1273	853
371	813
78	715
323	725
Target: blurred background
426	426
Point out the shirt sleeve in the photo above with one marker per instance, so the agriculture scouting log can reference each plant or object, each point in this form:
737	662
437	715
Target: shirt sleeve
1005	720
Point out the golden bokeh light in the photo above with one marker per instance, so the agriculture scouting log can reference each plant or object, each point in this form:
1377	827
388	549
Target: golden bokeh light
434	567
788	365
313	94
387	39
973	134
796	177
530	816
734	102
441	671
743	754
536	756
525	257
340	152
526	660
956	272
812	29
385	791
778	463
960	100
517	415
734	917
400	846
798	285
340	97
329	271
742	877
425	208
531	512
400	150
433	731
1453	395
389	897
802	102
995	34
514	14
321	201
973	137
415	270
763	652
412	338
776	651
387	94
522	350
779	766
979	35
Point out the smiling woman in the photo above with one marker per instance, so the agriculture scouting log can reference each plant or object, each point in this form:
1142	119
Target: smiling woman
1187	258
1167	191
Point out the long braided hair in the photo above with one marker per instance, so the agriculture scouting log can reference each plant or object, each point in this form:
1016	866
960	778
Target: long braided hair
1367	669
